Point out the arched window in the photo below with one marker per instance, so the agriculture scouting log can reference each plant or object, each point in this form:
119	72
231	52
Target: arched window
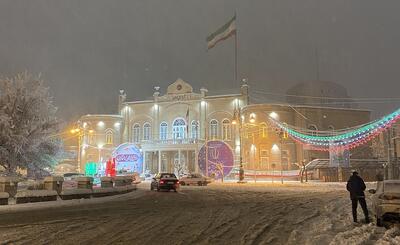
146	131
313	130
226	129
109	136
213	129
91	139
195	129
163	131
179	128
263	129
136	133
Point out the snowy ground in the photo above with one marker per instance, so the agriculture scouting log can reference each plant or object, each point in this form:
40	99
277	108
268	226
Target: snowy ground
261	213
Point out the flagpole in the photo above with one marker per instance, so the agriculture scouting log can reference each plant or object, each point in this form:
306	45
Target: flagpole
236	63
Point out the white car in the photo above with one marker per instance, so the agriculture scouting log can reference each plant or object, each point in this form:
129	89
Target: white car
195	179
386	202
146	176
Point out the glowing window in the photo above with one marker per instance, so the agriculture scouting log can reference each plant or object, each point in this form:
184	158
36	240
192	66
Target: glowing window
226	129
213	129
195	129
263	130
146	131
163	131
136	133
179	128
109	136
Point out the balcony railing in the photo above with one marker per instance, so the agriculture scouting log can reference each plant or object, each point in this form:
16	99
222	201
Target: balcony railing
172	141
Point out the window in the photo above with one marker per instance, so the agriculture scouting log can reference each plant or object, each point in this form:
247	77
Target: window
313	130
263	130
146	131
136	133
90	138
213	129
163	131
226	129
331	130
195	129
179	128
109	136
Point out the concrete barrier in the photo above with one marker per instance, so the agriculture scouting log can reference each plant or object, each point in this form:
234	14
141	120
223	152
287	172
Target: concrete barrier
9	185
68	194
102	192
25	196
85	182
119	181
106	182
53	183
128	179
4	198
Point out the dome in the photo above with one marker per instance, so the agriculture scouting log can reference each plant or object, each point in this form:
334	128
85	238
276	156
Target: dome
319	93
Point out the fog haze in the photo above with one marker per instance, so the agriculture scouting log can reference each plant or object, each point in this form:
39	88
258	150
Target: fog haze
87	50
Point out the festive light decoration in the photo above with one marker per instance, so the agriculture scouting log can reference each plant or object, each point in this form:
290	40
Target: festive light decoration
339	139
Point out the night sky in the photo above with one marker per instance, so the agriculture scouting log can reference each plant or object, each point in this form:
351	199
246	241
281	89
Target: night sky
87	50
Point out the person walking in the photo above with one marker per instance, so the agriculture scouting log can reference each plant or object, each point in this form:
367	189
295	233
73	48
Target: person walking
356	187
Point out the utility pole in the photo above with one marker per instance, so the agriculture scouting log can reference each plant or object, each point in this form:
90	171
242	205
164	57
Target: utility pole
389	162
395	162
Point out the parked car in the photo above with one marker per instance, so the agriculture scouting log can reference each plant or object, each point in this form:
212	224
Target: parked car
164	181
146	176
195	179
386	202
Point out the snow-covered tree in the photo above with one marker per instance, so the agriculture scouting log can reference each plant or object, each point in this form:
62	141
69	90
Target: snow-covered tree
28	124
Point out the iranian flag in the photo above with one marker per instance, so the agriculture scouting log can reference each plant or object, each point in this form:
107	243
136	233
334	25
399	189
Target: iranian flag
224	32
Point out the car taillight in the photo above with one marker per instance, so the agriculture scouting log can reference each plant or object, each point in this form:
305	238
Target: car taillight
161	181
177	182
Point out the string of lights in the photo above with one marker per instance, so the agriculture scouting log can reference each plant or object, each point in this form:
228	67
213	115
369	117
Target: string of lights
339	140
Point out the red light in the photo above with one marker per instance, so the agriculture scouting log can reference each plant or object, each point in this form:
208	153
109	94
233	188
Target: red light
177	182
161	181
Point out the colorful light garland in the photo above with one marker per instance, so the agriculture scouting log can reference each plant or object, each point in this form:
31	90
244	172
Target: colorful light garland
341	140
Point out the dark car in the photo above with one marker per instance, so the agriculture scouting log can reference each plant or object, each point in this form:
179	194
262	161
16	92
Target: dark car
164	181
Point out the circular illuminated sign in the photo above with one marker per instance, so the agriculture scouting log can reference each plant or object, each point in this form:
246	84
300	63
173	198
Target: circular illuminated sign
219	159
128	158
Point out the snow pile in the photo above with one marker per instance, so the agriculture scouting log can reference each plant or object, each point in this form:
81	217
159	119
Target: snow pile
391	236
358	235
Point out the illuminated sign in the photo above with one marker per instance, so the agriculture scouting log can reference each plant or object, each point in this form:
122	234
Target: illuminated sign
128	159
219	159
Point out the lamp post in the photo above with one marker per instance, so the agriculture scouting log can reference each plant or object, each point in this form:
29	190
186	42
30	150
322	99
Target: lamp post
238	121
80	133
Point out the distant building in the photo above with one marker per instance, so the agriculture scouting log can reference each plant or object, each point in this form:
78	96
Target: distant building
320	93
171	128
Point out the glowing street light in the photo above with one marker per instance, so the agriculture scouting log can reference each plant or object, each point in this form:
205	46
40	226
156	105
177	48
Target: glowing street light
274	115
275	148
252	118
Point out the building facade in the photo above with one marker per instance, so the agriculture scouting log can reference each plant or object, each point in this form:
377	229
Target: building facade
171	128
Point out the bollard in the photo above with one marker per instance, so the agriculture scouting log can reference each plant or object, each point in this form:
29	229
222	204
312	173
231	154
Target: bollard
53	183
106	182
9	185
85	182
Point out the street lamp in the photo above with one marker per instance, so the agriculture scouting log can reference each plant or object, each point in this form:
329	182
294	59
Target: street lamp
238	120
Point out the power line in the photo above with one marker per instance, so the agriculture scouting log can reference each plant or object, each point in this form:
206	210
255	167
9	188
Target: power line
327	97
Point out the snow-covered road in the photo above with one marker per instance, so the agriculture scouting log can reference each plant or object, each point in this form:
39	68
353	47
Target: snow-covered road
218	214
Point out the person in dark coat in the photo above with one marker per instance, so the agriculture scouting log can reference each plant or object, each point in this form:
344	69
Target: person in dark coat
356	187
